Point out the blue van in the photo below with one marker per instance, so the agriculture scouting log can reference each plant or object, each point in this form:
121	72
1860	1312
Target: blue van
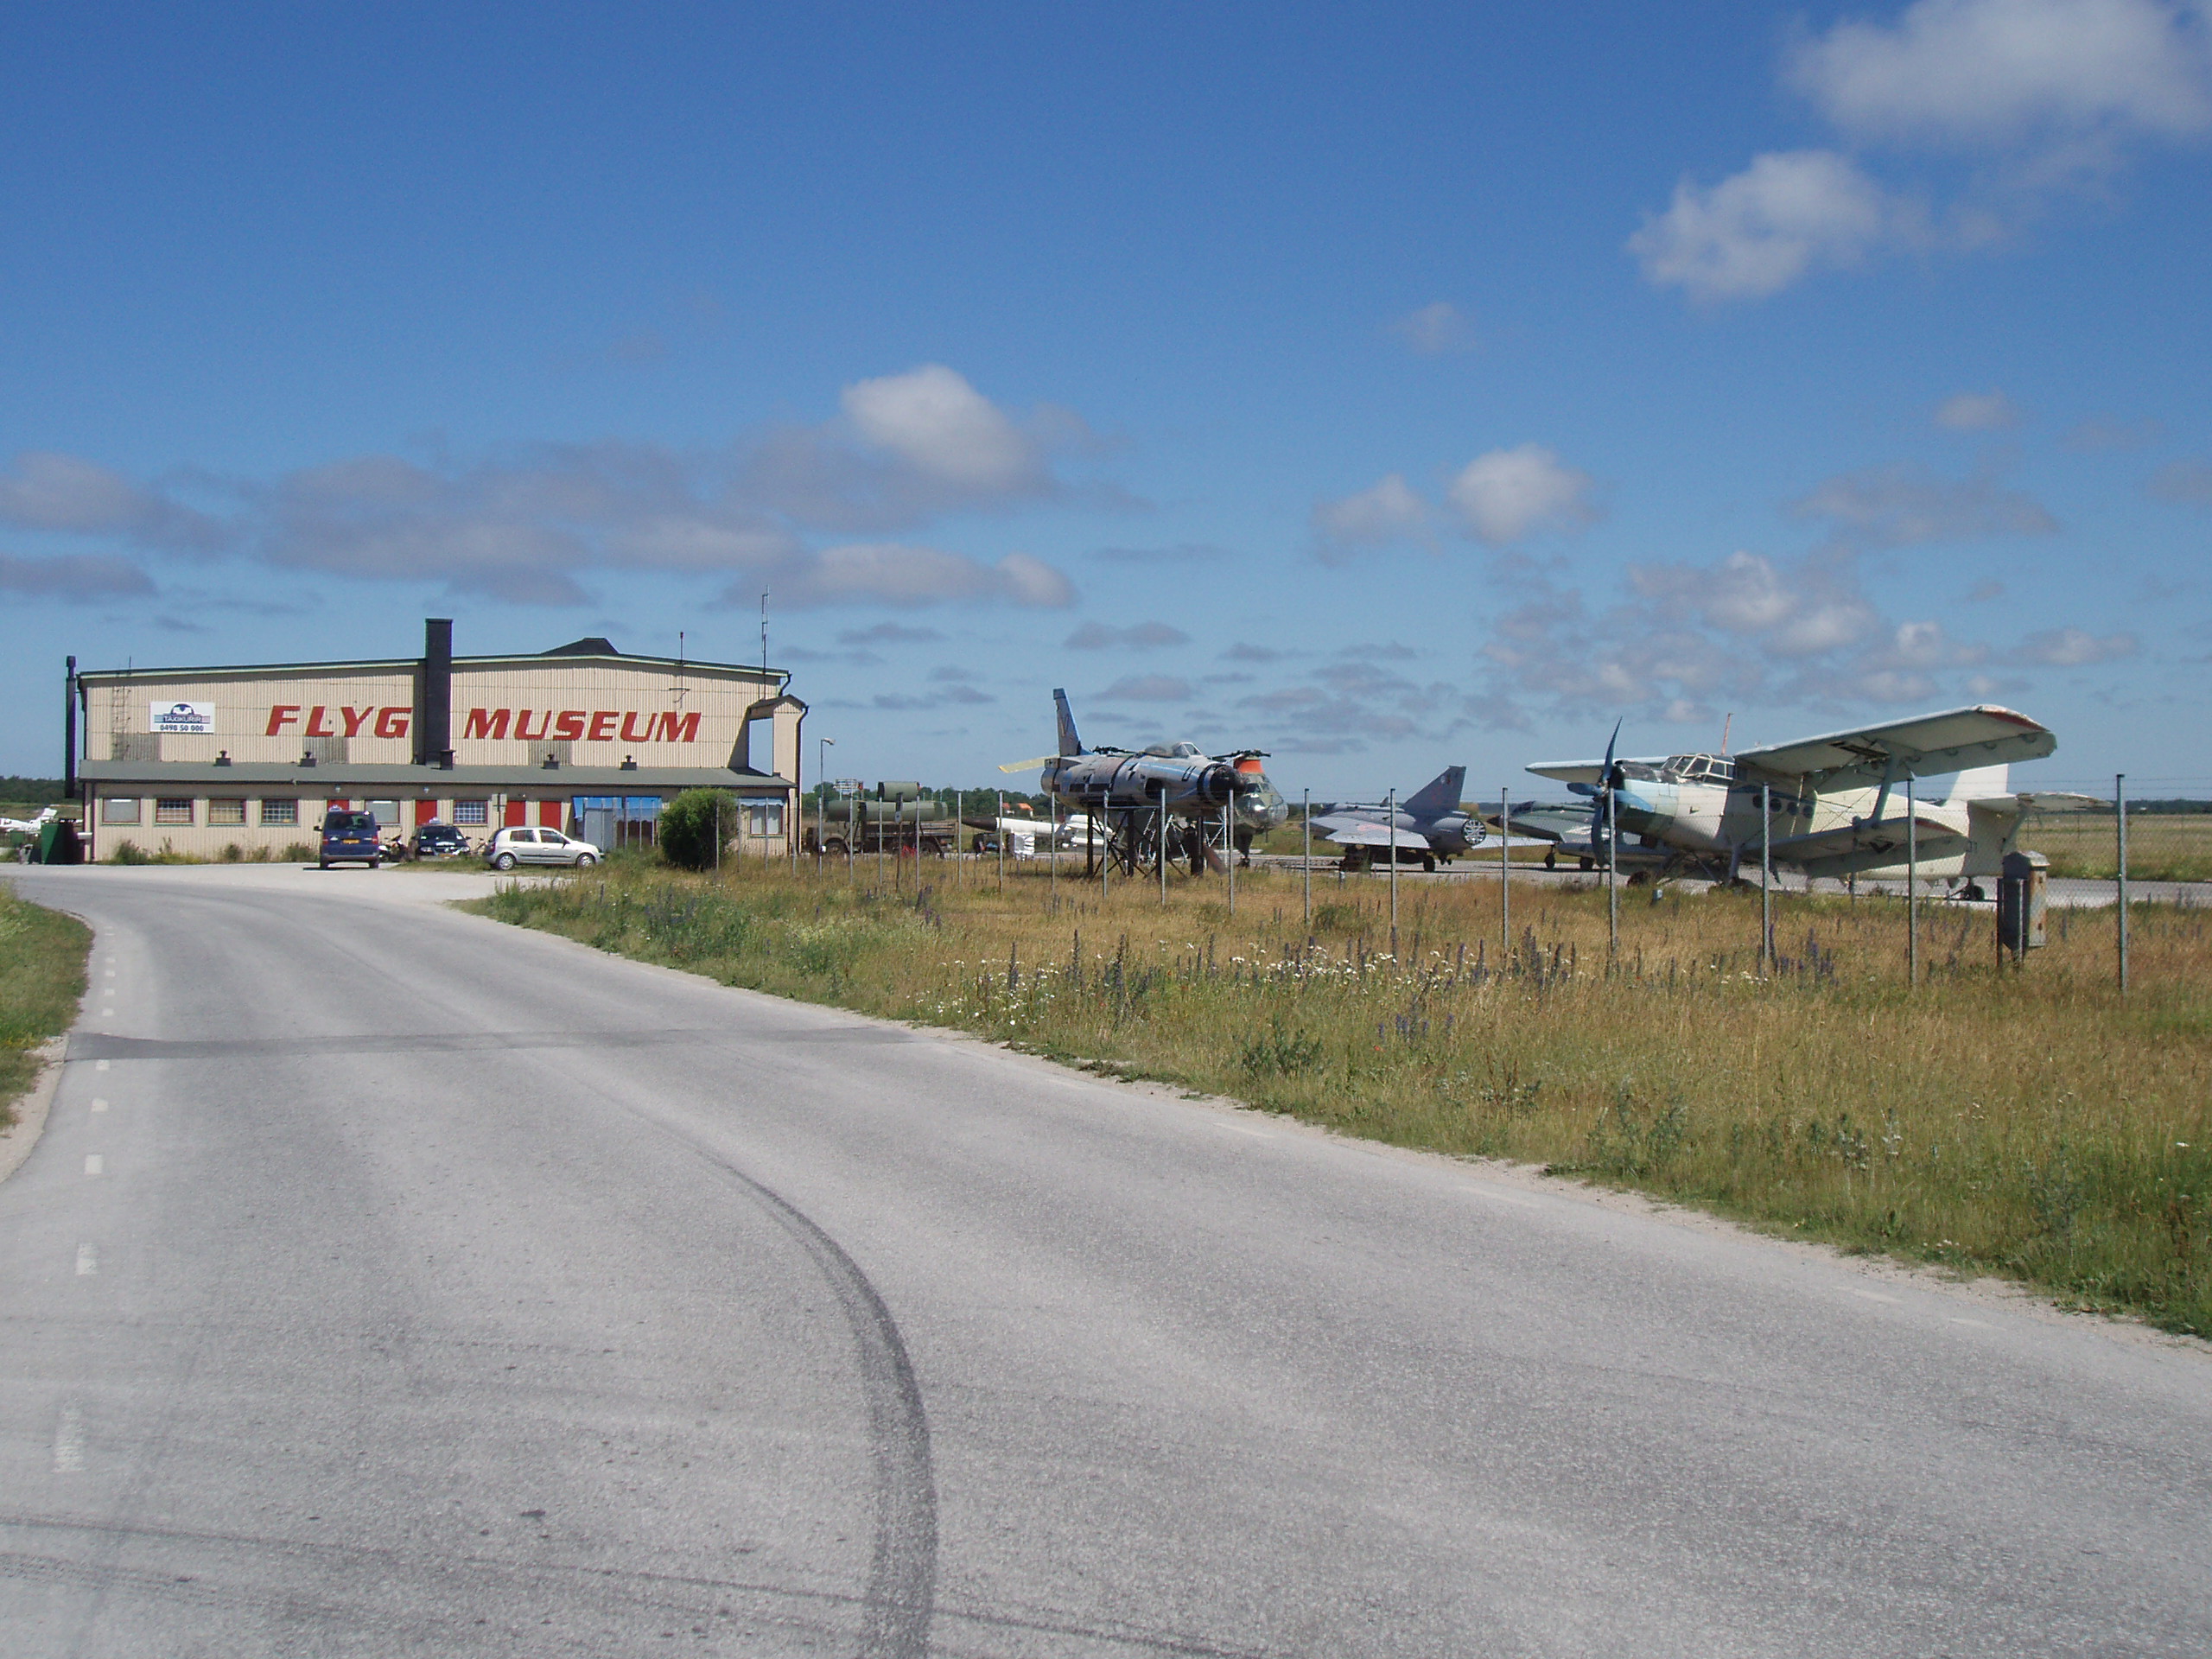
350	838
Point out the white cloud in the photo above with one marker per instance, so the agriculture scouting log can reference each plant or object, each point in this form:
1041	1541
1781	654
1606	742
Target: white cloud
2188	482
1386	511
1977	412
1689	640
1150	688
1436	329
1993	72
1758	231
2046	93
527	524
2100	433
1507	493
43	491
80	577
931	418
885	572
2072	648
1138	636
1898	506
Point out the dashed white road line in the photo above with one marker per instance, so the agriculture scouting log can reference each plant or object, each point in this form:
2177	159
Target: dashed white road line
1876	1296
1979	1325
99	1102
95	1164
100	1065
88	1260
69	1442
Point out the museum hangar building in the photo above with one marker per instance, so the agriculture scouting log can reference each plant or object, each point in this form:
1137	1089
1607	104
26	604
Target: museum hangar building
582	738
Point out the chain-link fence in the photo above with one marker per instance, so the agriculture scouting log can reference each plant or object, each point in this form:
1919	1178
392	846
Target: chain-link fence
2168	830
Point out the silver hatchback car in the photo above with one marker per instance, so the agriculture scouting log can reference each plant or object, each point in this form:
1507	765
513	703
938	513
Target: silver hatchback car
523	845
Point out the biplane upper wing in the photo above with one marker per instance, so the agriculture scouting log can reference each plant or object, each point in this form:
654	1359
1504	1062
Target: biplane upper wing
1957	739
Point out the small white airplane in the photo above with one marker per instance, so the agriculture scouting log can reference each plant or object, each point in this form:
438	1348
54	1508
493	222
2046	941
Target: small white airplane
27	826
1836	807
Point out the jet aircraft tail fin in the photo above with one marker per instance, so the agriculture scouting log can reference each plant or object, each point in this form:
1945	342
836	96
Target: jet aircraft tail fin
1440	795
1071	742
1979	783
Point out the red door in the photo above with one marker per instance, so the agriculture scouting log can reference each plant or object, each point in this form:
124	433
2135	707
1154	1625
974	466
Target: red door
425	812
550	814
518	813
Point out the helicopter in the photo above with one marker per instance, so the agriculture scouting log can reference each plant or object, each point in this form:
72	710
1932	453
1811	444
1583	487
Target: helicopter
1172	801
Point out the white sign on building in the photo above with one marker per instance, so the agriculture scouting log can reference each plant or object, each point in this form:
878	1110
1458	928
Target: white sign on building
194	718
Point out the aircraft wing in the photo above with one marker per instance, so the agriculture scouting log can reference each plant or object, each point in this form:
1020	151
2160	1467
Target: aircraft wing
1955	740
1355	832
1935	837
1588	772
1546	823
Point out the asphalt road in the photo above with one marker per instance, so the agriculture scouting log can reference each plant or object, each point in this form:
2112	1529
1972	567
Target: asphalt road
387	1281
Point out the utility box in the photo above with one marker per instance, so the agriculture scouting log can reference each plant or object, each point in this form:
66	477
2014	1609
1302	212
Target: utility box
2023	902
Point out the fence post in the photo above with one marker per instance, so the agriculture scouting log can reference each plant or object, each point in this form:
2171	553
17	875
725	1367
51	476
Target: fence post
1306	817
1229	847
1612	880
1163	845
1391	802
1911	885
2120	883
1766	878
1504	873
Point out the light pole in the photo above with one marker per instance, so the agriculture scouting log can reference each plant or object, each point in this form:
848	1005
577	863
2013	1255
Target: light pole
822	800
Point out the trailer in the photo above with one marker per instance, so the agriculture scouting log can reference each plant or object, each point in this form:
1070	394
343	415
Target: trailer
895	820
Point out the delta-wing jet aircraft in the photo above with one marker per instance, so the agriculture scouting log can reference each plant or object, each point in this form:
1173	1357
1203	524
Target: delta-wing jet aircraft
1164	801
1836	804
1427	825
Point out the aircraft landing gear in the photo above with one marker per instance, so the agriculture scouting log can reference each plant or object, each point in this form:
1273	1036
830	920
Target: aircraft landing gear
1551	859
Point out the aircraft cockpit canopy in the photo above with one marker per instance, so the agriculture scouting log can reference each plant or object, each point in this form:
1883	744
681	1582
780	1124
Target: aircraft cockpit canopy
1176	751
1699	769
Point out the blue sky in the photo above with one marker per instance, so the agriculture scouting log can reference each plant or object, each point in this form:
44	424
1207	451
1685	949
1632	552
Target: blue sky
1383	387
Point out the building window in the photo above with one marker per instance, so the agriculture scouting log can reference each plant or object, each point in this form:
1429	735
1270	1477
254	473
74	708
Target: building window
221	810
280	812
119	808
472	812
173	809
764	819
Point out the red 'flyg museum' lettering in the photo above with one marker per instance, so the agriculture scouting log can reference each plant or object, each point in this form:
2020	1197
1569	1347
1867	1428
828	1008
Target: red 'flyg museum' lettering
528	725
578	725
392	721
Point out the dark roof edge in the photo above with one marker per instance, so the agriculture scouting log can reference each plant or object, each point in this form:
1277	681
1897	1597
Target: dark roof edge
409	665
246	775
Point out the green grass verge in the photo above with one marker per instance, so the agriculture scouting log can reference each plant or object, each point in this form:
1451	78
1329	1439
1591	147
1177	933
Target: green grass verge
2029	1123
42	955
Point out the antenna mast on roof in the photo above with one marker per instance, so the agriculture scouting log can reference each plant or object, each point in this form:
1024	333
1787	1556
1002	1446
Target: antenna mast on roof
764	637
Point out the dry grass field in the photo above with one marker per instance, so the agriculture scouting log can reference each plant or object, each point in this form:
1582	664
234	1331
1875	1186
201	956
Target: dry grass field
2025	1122
2161	845
43	955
